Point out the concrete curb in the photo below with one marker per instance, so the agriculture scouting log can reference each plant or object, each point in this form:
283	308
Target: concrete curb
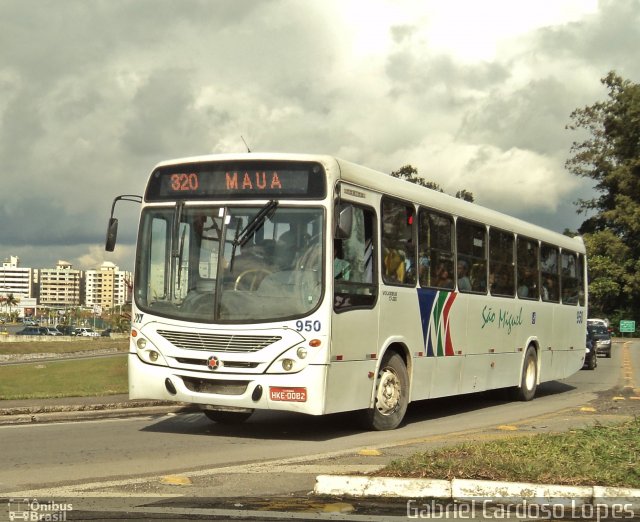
88	412
474	490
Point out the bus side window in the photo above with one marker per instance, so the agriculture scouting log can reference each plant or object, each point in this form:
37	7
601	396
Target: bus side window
471	244
569	282
501	263
527	267
354	271
398	244
435	250
549	273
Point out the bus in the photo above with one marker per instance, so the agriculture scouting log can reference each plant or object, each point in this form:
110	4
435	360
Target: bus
305	283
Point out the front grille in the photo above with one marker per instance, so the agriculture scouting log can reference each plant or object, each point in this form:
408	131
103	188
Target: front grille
218	342
226	364
215	386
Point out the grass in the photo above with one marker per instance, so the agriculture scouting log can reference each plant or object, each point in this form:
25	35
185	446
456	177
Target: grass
64	346
74	378
601	455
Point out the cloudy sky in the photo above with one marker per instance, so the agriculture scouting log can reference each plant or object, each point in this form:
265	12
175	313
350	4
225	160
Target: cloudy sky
475	95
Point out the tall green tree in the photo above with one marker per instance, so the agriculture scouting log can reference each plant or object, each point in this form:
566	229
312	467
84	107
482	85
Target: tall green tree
610	156
410	173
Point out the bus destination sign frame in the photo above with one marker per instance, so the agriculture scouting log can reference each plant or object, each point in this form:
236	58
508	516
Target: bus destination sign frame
239	180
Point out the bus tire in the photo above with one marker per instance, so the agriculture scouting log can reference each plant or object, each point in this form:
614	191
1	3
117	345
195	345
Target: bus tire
227	417
391	395
529	377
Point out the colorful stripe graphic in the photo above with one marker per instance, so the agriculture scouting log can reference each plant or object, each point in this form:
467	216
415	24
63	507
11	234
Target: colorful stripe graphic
434	314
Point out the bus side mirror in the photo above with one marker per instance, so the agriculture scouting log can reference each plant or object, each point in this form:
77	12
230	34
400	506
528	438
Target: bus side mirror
112	234
345	222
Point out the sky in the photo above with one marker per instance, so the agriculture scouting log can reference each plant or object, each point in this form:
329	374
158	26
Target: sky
475	95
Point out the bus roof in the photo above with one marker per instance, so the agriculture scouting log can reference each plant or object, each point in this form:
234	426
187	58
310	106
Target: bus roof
383	183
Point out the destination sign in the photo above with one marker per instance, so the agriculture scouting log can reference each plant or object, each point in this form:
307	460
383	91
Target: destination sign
266	179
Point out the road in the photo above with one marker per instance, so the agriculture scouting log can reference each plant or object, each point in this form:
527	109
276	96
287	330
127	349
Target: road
278	454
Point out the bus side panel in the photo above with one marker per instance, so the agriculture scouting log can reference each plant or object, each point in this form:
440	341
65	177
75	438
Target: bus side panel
349	385
490	371
354	347
490	338
401	325
570	330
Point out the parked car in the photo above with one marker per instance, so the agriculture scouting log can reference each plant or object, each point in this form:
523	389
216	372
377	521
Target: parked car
602	339
86	332
29	330
106	333
49	330
66	329
590	356
30	322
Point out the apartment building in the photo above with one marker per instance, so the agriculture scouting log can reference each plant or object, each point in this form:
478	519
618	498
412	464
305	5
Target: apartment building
15	279
107	287
61	286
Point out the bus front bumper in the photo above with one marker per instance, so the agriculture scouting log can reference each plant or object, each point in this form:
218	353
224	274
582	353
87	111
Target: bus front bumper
299	392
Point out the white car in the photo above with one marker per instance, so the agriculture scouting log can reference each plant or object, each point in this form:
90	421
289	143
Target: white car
86	332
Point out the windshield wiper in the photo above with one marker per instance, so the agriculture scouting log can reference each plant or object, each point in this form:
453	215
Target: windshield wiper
175	248
253	225
180	257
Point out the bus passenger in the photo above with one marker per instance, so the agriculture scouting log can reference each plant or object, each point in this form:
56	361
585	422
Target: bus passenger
464	283
443	276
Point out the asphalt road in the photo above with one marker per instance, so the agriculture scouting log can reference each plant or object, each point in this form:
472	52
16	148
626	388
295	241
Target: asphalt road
278	455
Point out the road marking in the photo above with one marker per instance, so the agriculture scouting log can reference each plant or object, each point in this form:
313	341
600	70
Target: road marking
367	452
508	427
176	480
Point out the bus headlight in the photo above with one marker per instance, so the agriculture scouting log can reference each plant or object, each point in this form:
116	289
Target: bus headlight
147	352
302	353
287	365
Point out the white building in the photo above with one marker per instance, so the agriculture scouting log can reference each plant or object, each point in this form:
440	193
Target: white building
15	279
107	287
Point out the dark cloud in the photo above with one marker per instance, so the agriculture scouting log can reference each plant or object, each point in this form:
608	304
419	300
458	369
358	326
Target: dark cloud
604	41
531	118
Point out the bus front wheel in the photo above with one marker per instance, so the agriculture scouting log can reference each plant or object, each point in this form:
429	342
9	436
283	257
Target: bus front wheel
392	395
529	377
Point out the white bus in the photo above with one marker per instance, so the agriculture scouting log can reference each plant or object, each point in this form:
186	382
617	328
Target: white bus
309	284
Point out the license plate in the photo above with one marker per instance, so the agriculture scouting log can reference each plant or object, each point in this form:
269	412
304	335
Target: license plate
288	394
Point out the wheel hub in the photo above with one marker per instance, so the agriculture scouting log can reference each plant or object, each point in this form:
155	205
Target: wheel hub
388	393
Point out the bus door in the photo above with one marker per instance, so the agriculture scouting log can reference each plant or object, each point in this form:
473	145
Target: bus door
354	324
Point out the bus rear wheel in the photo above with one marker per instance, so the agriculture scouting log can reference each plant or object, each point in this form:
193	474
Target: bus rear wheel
529	378
227	417
392	395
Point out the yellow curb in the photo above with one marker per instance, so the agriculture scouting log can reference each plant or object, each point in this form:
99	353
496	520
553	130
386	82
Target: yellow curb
369	452
508	427
588	409
635	398
618	399
176	480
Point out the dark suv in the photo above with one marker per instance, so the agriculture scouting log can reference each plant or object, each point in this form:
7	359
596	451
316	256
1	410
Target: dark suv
29	330
602	339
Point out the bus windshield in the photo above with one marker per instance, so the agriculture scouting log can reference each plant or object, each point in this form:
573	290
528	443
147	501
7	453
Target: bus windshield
230	264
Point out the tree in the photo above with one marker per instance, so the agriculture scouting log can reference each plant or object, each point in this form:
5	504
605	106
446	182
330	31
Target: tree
610	156
410	173
11	300
466	195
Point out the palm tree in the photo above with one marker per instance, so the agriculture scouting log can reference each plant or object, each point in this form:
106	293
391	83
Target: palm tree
10	301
